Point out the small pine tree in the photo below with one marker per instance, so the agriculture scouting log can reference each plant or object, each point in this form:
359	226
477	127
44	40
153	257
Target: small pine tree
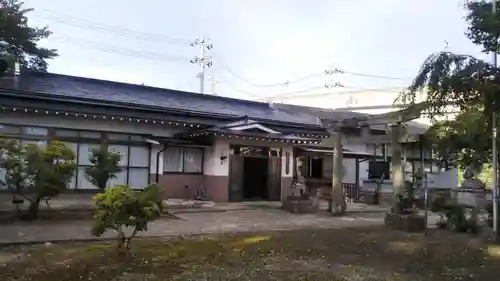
121	206
36	173
104	167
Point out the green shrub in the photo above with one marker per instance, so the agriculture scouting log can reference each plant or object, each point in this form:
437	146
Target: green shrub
453	215
120	207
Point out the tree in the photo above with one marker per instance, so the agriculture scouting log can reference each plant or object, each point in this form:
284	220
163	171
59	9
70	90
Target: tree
36	173
120	207
104	166
3	66
19	40
465	85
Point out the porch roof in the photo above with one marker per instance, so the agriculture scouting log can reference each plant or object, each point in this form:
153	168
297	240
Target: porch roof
330	151
246	128
174	142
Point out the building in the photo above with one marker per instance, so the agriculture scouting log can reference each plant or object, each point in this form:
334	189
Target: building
192	145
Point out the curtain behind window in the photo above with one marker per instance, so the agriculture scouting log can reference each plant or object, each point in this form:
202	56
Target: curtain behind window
193	160
172	159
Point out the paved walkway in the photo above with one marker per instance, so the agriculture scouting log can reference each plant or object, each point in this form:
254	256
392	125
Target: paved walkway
195	223
191	223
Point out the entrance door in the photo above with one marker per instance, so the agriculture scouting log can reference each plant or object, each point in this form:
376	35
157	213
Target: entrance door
274	178
235	178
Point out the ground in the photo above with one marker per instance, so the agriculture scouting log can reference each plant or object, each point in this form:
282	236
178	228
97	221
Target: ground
361	253
257	219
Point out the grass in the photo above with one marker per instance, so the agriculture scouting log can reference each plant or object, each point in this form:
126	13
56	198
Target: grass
342	254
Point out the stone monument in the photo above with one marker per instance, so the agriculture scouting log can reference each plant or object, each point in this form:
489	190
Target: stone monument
299	201
472	191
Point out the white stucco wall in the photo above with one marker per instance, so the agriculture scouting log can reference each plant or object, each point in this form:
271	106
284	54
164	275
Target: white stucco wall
213	165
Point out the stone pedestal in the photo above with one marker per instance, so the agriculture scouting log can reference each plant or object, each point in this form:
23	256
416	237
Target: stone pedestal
300	205
471	195
408	223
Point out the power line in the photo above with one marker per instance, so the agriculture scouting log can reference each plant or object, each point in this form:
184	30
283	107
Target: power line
336	85
100	27
341	71
328	71
284	83
118	50
238	89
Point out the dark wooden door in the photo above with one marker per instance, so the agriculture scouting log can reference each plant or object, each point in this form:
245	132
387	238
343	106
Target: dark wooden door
235	178
274	178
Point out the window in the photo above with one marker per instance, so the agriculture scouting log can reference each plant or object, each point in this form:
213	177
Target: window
172	159
138	172
122	150
90	135
66	133
138	177
84	150
183	159
139	156
35	131
193	160
121	178
314	166
40	143
82	182
7	129
120	137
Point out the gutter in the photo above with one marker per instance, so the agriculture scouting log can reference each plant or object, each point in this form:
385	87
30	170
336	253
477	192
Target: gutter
158	163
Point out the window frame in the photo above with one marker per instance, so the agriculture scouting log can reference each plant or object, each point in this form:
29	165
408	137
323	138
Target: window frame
201	149
128	140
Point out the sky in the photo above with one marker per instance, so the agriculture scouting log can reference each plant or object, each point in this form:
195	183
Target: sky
255	42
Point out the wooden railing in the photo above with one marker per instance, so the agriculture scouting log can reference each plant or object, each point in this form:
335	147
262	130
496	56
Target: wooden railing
351	190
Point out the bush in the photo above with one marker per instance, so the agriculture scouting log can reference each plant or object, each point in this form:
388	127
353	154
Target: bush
36	173
453	215
104	167
120	207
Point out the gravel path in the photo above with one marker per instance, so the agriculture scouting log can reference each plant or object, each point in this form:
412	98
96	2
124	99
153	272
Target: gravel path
192	223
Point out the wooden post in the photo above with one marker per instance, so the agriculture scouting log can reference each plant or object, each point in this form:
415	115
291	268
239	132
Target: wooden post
338	197
397	175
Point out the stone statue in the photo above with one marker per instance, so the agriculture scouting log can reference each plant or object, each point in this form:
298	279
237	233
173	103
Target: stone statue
470	180
299	186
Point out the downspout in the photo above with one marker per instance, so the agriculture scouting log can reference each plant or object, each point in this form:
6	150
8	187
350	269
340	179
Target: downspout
158	163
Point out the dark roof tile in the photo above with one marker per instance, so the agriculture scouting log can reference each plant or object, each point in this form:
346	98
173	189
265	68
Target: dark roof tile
115	92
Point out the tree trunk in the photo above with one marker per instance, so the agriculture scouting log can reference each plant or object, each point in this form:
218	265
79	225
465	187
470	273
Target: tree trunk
338	198
397	176
33	209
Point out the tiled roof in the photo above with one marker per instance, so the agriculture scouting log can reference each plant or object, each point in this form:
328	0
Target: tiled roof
76	88
108	92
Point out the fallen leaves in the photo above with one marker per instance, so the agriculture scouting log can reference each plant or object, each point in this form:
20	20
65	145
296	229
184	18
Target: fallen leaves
341	254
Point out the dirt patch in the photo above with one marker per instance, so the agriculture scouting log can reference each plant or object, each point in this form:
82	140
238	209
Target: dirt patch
359	254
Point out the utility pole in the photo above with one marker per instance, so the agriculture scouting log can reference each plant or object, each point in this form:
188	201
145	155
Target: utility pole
212	84
203	60
494	152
